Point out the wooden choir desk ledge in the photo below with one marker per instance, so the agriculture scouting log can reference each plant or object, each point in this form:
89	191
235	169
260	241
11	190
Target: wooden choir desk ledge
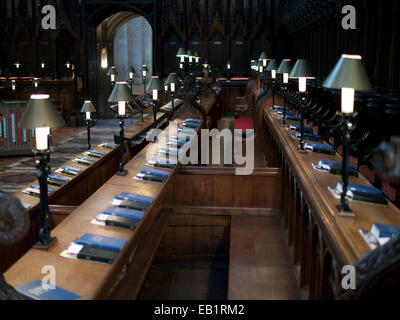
92	280
341	233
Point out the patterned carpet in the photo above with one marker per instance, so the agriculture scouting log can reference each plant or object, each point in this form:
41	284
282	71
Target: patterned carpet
17	171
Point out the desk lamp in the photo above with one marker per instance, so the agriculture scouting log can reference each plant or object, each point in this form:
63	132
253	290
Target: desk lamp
132	72
112	73
88	108
284	68
302	71
144	75
41	115
348	75
273	66
172	80
122	94
154	85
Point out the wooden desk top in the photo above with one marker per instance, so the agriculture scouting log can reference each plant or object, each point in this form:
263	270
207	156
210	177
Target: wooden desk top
343	232
88	279
131	132
34	201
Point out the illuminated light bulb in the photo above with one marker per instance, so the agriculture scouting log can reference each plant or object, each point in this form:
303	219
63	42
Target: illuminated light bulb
42	138
121	108
273	74
286	78
173	87
87	115
155	95
348	100
302	84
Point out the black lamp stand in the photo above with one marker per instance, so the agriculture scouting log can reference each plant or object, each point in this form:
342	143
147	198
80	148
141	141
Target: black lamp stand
172	107
121	171
45	238
284	106
273	94
155	120
344	199
301	142
88	126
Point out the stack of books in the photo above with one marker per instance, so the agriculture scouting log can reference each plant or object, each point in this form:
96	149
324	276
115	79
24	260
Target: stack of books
333	167
309	136
295	127
95	248
119	216
191	123
169	152
187	131
107	145
293	118
379	234
362	193
177	144
84	160
71	171
94	153
162	163
57	180
168	106
34	190
288	113
320	148
133	198
280	108
182	137
152	176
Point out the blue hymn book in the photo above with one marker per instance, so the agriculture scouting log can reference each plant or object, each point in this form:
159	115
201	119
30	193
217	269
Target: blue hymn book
124	212
99	241
35	291
134	197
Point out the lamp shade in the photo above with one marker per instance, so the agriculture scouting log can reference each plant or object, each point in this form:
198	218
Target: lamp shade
285	67
154	84
273	65
172	78
144	68
112	72
131	70
88	107
41	112
302	69
263	56
349	72
121	92
181	53
189	53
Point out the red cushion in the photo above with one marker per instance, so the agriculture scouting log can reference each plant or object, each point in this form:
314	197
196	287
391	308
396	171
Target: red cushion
244	124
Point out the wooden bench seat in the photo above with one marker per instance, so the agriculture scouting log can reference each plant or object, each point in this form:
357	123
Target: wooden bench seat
259	267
